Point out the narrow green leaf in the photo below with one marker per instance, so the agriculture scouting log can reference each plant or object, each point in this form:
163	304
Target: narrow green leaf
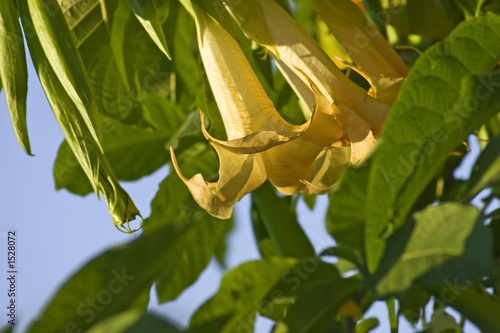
486	171
345	221
81	141
438	106
57	43
118	280
152	14
263	241
240	293
13	70
422	252
282	224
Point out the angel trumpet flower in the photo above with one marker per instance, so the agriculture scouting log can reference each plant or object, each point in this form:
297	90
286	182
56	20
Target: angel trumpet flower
261	144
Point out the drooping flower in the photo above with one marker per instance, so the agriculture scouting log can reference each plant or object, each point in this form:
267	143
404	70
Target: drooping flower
261	144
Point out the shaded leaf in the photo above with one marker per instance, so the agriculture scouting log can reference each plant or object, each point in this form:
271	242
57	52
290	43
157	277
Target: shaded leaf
422	252
281	223
13	70
486	171
344	220
422	17
316	310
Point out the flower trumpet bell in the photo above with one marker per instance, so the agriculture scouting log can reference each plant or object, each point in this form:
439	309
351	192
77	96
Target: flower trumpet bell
261	144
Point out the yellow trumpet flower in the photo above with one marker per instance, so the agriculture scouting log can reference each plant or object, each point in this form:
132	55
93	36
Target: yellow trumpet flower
261	144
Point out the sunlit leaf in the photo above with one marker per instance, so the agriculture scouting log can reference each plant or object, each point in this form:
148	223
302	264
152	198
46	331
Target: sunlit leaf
440	103
57	43
152	14
74	127
13	70
422	252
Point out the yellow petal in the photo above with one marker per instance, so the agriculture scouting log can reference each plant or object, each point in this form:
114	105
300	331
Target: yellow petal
239	175
362	41
300	52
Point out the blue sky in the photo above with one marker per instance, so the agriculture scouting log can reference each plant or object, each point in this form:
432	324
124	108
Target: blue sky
58	232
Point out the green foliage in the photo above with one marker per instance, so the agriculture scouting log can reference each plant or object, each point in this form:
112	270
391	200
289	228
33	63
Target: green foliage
407	230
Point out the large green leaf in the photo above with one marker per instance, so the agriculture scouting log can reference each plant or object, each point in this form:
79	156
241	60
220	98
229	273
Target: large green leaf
89	22
118	280
486	171
241	291
445	243
440	103
72	123
13	70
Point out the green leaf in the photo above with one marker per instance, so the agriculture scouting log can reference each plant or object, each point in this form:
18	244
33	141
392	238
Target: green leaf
13	70
152	14
423	17
365	325
132	152
118	280
281	223
89	23
439	104
173	204
422	252
344	220
479	307
486	171
7	329
134	321
81	141
308	274
240	293
62	54
316	310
